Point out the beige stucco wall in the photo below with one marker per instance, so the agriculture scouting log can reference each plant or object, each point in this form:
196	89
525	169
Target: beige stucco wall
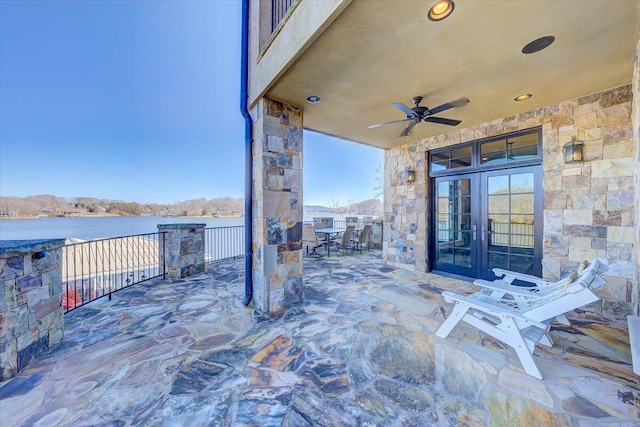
589	208
270	56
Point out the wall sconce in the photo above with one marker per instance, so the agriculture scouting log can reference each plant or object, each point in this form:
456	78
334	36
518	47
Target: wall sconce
411	175
573	151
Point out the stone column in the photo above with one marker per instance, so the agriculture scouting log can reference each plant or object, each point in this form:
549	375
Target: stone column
183	249
277	205
31	316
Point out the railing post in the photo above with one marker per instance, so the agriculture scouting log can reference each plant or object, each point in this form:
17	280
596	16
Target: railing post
162	255
184	249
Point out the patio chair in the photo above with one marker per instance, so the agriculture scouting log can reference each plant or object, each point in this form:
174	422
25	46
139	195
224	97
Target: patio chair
528	286
310	240
524	321
344	241
364	237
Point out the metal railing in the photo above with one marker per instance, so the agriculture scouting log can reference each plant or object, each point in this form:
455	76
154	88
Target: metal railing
97	268
223	243
279	9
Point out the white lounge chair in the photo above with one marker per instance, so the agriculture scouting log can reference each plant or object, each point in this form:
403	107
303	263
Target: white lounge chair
522	320
529	286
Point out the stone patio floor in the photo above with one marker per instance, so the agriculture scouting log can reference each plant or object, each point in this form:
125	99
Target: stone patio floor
188	353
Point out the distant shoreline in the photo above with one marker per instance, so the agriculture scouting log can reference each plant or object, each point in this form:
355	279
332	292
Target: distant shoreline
102	215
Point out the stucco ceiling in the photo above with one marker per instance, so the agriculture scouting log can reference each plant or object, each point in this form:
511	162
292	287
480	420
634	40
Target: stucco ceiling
379	52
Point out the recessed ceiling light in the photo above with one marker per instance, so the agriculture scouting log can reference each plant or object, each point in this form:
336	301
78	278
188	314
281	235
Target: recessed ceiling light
440	10
522	97
313	99
538	44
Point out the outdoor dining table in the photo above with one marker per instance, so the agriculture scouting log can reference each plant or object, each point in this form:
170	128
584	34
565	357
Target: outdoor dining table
328	233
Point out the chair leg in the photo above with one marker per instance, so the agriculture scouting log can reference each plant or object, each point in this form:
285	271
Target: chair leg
507	331
517	342
458	312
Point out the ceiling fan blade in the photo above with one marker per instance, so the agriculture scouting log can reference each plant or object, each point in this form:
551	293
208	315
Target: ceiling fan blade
387	123
443	121
407	130
408	111
453	104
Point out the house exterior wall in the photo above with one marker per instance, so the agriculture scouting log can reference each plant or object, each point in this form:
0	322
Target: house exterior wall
589	208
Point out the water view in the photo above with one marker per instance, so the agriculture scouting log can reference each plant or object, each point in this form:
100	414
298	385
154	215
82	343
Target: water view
89	228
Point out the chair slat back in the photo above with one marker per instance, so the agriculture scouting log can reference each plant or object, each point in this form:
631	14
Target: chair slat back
346	236
364	235
309	234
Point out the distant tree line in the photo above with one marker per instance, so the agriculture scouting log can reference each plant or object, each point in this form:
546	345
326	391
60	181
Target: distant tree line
48	205
367	207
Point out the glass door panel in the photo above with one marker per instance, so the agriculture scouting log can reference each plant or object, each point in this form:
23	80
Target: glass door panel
455	251
510	206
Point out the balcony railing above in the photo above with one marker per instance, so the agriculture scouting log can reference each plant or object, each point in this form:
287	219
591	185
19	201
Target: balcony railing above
279	9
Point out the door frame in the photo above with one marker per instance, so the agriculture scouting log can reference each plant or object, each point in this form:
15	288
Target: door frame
476	166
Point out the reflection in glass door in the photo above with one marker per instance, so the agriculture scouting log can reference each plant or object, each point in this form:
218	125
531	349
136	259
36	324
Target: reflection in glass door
509	221
487	220
455	248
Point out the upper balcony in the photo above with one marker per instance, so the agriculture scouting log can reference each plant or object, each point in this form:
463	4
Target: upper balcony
360	350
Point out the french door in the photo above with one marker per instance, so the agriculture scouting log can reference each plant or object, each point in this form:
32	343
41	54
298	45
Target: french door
485	220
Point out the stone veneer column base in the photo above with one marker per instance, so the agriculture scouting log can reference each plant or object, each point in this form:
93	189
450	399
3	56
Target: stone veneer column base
277	205
31	315
182	253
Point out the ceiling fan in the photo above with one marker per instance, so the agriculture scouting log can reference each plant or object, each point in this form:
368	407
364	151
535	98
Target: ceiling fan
417	114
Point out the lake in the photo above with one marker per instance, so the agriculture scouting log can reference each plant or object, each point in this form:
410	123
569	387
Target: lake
89	228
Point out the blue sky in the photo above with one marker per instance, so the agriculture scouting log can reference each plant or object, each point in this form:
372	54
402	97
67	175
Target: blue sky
139	101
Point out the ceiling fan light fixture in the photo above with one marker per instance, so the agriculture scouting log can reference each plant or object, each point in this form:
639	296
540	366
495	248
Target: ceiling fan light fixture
538	44
313	99
522	97
440	10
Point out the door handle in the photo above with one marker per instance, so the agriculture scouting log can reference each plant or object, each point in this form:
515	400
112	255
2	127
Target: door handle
482	233
473	227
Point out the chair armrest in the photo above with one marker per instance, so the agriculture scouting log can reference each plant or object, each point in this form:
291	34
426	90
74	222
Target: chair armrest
510	276
501	286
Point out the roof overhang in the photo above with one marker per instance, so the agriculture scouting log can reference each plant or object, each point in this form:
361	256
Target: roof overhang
379	52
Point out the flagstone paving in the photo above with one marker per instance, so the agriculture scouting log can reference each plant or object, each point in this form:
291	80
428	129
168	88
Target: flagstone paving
360	350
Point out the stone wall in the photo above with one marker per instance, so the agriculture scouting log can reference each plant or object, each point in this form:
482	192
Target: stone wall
589	208
277	205
31	316
183	251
